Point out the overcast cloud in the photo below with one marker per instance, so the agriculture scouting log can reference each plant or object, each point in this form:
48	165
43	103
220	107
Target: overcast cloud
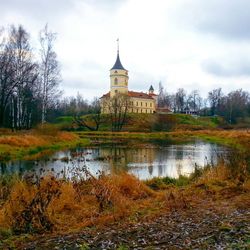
191	44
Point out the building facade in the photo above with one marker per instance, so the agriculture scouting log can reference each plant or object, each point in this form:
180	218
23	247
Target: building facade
136	102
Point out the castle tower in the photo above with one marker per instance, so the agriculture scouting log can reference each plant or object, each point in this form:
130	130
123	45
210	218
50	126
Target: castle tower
151	90
118	77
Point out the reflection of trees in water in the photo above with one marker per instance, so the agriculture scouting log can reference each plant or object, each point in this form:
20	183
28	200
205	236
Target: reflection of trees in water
3	167
13	167
180	155
162	157
165	161
150	169
117	158
179	167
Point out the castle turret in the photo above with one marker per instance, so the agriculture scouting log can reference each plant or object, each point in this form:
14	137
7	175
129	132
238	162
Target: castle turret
151	90
118	77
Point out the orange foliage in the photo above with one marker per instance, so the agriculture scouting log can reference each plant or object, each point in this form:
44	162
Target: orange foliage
66	136
74	204
22	140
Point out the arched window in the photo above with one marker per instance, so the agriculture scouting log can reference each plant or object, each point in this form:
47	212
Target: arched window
116	81
116	91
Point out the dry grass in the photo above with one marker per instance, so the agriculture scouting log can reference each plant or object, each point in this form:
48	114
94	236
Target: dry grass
35	140
23	141
63	205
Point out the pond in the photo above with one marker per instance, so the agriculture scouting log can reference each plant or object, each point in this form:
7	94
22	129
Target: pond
145	162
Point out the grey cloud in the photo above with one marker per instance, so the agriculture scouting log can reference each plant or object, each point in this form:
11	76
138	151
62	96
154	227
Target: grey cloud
229	19
51	9
227	69
43	9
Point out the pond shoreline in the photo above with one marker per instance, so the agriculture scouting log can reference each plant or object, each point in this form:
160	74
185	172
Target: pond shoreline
144	159
32	145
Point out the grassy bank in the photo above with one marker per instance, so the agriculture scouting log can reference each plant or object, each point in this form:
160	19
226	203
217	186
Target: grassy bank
234	138
36	143
148	122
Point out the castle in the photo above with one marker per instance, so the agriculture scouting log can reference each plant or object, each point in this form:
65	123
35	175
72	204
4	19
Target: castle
139	102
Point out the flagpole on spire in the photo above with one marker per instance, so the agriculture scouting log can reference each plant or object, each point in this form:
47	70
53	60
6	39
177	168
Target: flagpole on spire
117	45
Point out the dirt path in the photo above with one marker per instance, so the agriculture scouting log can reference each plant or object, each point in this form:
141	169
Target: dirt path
197	228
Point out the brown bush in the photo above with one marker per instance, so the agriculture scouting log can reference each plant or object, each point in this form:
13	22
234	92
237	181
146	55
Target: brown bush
57	204
27	207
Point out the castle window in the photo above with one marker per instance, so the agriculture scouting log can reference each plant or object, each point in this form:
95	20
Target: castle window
116	80
141	103
136	103
116	71
151	104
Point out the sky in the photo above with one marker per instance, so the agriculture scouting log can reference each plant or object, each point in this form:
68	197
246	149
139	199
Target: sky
190	44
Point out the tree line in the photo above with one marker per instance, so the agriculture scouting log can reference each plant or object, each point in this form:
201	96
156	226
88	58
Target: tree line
29	79
234	106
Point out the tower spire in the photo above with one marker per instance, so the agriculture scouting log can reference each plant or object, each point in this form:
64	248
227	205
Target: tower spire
117	40
118	64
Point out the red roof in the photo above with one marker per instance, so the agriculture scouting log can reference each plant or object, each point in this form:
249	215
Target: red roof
139	95
133	94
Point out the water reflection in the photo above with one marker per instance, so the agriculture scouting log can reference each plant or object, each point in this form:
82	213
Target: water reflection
145	163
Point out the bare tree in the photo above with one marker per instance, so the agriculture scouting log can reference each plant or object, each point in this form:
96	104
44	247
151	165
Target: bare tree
49	70
93	120
7	83
161	96
180	99
236	105
118	107
23	72
194	101
214	98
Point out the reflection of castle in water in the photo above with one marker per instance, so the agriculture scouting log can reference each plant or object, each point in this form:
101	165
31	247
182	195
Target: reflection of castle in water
147	162
172	161
120	158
